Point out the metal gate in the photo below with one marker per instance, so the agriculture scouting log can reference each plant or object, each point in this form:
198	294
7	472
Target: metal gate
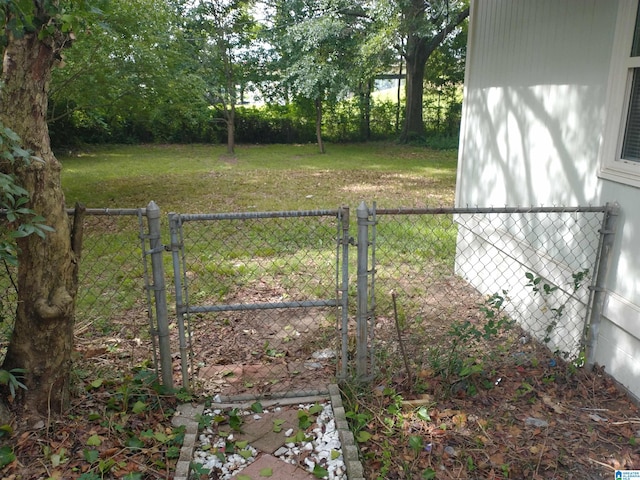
261	299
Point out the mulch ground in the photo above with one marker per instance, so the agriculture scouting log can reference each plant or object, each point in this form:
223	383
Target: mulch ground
523	414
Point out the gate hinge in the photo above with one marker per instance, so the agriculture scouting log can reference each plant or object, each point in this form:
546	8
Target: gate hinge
174	247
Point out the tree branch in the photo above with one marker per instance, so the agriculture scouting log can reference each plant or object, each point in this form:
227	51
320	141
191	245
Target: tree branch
439	37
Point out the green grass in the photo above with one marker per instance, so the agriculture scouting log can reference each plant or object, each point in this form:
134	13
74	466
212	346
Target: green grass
231	261
200	178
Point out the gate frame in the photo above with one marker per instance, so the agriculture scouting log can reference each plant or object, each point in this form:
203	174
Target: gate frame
184	308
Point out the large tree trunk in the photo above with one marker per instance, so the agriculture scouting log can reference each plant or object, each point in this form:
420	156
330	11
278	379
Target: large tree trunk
416	58
42	338
419	49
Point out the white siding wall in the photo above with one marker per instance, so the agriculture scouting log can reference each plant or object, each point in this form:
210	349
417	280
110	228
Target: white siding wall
534	101
533	121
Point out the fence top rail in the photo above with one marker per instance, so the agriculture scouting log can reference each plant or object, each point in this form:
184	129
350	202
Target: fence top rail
102	211
332	213
486	210
251	215
111	211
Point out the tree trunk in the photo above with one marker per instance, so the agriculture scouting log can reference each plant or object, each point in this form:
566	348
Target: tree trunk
417	52
230	111
318	104
42	338
231	130
365	109
416	58
399	97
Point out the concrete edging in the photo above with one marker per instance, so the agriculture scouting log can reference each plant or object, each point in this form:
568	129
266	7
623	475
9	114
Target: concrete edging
349	448
187	415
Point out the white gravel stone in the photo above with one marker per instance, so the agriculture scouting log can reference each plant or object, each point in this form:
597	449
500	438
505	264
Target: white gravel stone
318	450
281	451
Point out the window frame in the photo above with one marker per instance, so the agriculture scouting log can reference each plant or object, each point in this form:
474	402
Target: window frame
612	165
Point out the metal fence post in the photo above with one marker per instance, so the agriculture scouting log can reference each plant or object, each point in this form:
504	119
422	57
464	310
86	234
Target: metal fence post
362	213
175	228
592	326
343	287
160	293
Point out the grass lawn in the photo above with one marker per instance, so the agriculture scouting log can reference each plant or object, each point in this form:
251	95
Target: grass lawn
201	178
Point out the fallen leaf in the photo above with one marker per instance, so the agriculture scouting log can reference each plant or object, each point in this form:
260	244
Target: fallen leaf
555	406
460	419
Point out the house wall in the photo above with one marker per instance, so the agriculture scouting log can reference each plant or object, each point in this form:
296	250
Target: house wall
533	121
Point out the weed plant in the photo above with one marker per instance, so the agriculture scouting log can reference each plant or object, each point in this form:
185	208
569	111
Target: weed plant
392	417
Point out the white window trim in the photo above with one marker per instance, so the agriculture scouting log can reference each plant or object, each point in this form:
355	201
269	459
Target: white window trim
612	166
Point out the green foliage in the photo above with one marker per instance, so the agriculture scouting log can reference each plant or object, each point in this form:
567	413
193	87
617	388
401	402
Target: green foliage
128	78
556	307
19	17
6	455
18	220
320	472
455	361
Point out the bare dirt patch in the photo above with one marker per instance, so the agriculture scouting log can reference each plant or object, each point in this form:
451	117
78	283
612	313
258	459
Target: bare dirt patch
262	351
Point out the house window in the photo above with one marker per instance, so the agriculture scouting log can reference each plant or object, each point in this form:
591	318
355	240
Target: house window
620	155
631	142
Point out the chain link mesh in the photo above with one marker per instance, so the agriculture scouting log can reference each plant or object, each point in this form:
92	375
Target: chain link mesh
111	308
261	272
457	267
444	267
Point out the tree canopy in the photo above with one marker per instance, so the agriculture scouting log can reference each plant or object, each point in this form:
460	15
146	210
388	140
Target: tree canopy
176	70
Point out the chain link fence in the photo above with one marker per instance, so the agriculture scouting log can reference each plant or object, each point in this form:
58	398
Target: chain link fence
453	271
268	303
112	321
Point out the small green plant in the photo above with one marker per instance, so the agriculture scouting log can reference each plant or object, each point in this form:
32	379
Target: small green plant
429	474
416	443
539	287
277	425
10	379
493	312
358	419
184	395
270	351
6	455
455	361
235	419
